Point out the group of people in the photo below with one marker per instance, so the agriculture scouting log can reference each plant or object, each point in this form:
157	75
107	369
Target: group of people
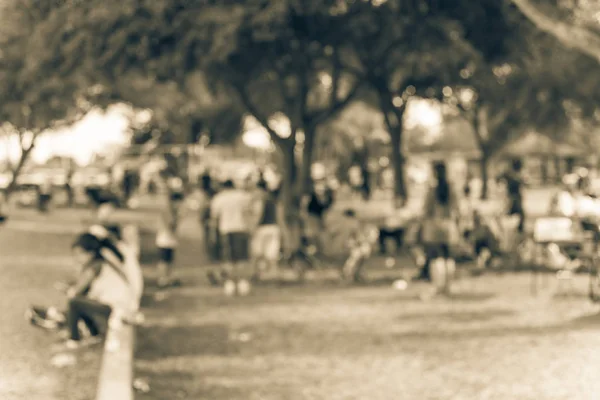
449	218
244	227
243	223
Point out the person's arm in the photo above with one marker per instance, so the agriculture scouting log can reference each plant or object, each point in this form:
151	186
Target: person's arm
85	280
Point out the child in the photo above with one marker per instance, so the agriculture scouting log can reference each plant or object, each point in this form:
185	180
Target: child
166	242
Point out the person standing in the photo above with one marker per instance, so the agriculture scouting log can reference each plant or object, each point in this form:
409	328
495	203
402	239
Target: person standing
211	238
44	195
514	188
102	287
266	241
440	231
230	215
69	186
319	202
166	242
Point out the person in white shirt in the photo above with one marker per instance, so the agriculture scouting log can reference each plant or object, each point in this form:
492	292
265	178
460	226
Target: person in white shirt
231	215
565	201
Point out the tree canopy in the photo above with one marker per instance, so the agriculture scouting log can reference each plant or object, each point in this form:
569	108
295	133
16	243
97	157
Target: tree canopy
194	62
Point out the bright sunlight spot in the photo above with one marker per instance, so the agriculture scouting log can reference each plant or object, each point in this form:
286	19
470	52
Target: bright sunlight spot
255	135
426	114
96	133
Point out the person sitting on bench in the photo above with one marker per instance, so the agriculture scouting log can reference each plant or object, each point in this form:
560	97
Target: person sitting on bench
102	286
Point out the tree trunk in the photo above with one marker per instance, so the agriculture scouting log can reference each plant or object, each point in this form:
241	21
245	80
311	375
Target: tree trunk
483	165
479	119
289	175
17	170
400	190
570	165
544	170
573	36
394	121
305	181
366	176
290	202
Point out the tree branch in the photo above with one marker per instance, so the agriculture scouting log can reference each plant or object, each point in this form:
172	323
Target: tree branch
339	105
25	152
499	118
572	36
303	82
335	77
264	121
281	76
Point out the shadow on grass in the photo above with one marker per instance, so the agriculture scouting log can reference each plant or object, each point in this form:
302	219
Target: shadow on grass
190	251
184	385
580	324
592	320
471	296
463	316
157	342
166	385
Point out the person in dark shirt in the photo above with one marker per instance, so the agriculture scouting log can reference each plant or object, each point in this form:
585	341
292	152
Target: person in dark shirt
44	195
320	200
317	204
514	188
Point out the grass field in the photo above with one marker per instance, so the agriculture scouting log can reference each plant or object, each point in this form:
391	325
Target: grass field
30	263
493	341
319	341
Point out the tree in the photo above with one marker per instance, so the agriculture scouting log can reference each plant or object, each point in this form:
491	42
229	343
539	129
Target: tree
527	86
349	136
276	56
287	58
421	48
575	23
29	107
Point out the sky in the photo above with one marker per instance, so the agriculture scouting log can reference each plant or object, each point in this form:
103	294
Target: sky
95	133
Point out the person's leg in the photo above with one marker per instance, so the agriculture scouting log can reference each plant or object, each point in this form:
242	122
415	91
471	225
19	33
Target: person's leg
161	266
383	235
257	244
228	268
398	235
272	247
240	246
450	267
82	307
91	325
521	226
166	267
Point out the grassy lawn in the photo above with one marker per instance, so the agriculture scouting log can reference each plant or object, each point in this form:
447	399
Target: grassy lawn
318	341
30	263
492	341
